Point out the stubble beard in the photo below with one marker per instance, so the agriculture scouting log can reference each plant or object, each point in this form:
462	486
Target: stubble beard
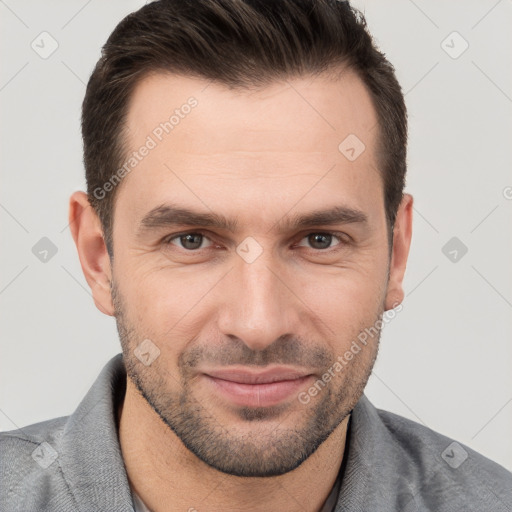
270	447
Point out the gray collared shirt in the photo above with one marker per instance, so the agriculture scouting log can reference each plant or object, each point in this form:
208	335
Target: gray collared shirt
74	463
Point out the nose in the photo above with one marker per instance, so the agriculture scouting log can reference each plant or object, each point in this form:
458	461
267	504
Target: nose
258	303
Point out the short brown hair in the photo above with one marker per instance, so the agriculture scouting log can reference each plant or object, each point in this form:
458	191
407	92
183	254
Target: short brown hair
241	44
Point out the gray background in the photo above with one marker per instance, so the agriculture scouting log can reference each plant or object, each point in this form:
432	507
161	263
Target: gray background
445	360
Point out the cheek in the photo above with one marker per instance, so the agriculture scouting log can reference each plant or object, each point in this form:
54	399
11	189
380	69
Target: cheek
344	297
165	302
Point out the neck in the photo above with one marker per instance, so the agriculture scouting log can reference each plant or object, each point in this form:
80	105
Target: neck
167	476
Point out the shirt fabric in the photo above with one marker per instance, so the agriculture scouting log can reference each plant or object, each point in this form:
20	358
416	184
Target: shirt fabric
74	463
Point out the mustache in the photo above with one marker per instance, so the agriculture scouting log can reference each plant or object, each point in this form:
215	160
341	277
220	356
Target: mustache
286	350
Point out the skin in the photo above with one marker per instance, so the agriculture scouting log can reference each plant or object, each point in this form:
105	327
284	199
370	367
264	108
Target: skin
259	156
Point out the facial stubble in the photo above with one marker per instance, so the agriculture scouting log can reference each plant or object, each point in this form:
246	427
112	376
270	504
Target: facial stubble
270	447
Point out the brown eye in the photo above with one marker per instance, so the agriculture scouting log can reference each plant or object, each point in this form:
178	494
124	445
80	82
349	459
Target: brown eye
188	241
321	241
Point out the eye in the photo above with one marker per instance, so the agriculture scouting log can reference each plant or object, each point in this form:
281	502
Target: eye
193	241
188	241
322	240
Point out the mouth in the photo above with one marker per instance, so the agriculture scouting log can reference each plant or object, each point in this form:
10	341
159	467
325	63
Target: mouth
249	388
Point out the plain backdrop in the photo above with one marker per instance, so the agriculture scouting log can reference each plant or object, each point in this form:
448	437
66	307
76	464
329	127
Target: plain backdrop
445	360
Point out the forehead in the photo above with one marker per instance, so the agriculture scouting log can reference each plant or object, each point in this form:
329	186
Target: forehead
208	143
289	114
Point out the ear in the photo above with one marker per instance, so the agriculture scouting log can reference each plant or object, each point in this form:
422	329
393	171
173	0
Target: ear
88	236
402	234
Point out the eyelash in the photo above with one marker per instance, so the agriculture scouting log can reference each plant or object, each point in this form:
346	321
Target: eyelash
343	242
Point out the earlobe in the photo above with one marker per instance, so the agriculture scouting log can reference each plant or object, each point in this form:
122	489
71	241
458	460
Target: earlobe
88	236
402	235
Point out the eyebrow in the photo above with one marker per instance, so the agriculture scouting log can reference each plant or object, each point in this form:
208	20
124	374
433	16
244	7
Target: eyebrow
168	215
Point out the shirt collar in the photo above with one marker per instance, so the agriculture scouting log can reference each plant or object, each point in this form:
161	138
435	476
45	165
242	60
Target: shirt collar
91	458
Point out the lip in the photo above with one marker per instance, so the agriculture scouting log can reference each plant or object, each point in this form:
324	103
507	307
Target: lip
249	388
251	376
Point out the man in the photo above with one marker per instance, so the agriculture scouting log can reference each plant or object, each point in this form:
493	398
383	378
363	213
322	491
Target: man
245	223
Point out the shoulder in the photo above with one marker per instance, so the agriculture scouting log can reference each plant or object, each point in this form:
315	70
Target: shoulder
29	459
444	473
70	462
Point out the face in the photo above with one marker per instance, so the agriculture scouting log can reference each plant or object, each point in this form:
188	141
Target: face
250	253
